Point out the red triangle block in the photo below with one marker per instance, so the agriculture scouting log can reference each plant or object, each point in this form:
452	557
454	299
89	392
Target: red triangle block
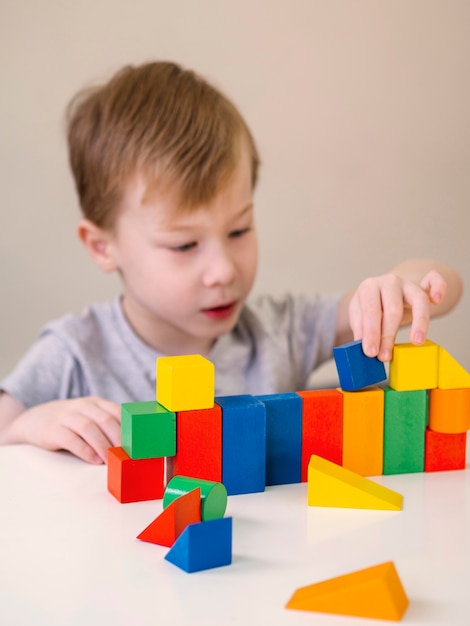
168	526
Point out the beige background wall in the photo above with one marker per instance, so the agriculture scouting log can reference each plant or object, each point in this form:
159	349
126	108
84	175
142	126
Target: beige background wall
361	110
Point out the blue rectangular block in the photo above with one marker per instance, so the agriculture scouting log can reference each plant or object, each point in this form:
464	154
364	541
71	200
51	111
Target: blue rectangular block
283	437
355	369
203	545
243	444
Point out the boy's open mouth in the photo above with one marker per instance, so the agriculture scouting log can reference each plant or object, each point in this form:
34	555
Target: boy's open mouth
220	312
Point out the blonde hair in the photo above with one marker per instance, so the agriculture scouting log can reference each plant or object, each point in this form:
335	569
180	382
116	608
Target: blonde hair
153	118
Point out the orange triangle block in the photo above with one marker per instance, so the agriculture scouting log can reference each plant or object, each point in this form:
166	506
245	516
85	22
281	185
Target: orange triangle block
451	375
168	526
374	592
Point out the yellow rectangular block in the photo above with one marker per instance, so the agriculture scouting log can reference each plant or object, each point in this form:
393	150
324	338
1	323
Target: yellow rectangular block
331	485
363	431
375	592
185	383
414	367
451	375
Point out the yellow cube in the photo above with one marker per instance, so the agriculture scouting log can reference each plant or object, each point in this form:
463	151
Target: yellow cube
414	367
185	383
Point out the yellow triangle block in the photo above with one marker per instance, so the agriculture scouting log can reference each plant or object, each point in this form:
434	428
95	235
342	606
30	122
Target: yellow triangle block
451	375
374	592
331	485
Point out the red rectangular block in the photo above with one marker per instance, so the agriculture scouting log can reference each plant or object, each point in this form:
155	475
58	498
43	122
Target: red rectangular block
198	445
444	451
322	426
134	480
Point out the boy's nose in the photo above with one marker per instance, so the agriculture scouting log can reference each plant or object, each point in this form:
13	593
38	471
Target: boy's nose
220	268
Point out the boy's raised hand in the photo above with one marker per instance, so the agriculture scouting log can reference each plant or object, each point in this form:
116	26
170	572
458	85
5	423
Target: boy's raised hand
86	427
381	305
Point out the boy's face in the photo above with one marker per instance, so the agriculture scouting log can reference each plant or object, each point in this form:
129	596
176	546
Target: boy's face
186	275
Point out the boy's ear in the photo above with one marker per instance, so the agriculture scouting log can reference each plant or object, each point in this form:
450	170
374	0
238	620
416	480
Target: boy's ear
98	243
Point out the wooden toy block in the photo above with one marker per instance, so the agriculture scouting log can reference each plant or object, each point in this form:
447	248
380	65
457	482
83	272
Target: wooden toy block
148	430
451	375
132	480
198	445
449	410
414	367
185	383
213	495
363	424
444	451
322	426
243	444
355	369
168	526
283	437
203	546
405	421
330	485
375	592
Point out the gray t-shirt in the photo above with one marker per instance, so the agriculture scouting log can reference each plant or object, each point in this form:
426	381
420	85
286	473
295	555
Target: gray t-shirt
274	348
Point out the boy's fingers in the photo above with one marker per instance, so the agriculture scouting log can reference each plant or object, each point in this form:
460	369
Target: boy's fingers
109	425
103	413
435	286
355	319
371	317
71	441
392	315
96	428
418	300
110	407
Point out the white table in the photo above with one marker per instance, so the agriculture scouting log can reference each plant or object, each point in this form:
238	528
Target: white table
69	556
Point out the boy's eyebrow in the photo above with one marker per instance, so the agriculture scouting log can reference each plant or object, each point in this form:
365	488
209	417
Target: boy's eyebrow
246	209
181	225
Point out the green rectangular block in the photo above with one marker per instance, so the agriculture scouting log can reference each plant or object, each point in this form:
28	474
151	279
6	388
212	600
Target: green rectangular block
405	421
148	430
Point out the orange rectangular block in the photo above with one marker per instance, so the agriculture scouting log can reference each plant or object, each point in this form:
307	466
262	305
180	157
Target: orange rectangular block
134	480
449	410
322	426
363	431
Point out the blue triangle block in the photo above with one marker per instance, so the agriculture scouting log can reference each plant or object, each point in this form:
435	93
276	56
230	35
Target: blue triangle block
203	545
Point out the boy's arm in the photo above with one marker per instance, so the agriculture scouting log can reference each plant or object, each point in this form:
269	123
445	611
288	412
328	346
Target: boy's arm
87	427
412	292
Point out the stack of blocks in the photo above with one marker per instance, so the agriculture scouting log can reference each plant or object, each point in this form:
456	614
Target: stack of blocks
416	423
193	525
136	468
244	443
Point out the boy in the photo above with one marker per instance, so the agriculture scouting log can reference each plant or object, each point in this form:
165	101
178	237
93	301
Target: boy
165	168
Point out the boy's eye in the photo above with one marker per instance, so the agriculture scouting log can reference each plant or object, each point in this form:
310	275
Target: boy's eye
239	233
185	247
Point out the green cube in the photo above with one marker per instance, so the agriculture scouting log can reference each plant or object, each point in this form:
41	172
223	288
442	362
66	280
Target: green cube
148	430
405	421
